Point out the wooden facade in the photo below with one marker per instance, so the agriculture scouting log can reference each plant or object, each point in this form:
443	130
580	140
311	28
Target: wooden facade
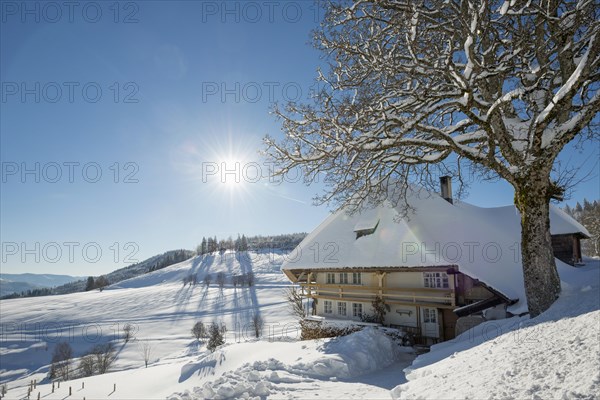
418	300
567	248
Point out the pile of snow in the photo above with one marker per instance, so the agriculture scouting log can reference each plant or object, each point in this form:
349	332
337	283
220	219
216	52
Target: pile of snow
347	357
555	355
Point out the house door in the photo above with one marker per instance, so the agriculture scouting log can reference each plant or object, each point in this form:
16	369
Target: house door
430	327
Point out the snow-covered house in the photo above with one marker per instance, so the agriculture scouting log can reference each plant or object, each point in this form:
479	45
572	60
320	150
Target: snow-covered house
444	261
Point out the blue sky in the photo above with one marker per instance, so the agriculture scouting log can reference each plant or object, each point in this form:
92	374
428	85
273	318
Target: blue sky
154	96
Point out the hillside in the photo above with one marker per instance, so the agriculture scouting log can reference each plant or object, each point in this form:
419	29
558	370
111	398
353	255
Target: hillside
79	284
9	287
553	355
17	283
40	280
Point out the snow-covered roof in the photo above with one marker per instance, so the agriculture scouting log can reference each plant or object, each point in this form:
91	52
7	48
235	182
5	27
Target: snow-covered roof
483	242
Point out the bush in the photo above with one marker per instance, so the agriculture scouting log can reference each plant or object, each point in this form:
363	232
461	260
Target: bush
296	305
199	330
216	337
317	330
379	310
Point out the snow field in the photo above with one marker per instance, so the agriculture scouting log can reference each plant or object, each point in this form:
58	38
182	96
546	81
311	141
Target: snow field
286	368
163	311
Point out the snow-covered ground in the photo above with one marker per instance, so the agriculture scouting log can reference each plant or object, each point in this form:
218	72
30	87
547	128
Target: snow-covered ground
163	311
555	355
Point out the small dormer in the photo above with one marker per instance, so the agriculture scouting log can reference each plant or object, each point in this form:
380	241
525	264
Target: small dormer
366	226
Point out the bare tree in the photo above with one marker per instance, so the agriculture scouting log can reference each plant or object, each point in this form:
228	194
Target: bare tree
127	332
105	356
101	282
207	280
199	330
417	90
294	298
249	277
221	279
61	361
258	324
146	351
87	365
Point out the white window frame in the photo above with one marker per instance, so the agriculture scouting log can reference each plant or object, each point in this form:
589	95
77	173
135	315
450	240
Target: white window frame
436	280
430	315
328	307
343	278
357	310
356	278
342	308
330	278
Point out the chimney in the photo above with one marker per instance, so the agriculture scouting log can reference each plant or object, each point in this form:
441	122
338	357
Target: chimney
446	185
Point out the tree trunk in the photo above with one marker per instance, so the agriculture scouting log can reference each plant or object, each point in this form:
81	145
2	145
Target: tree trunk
542	283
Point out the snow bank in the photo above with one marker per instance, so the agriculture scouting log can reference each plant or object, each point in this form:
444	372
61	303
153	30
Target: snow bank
346	357
555	355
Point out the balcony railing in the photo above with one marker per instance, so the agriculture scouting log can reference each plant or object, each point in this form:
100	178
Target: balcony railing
368	293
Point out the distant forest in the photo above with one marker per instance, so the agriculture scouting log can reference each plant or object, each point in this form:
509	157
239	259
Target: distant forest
242	243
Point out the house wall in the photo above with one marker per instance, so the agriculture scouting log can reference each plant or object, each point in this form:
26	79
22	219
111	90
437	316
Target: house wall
366	307
367	278
402	315
469	290
404	280
404	307
566	248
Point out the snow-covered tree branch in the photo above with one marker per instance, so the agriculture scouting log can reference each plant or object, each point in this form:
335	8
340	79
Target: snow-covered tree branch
419	89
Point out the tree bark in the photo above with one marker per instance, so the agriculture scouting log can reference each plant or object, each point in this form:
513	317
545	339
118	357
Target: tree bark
542	283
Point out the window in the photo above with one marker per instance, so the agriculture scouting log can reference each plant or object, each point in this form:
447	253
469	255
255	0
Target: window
330	278
437	280
430	315
356	278
357	310
365	227
328	307
341	307
344	278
